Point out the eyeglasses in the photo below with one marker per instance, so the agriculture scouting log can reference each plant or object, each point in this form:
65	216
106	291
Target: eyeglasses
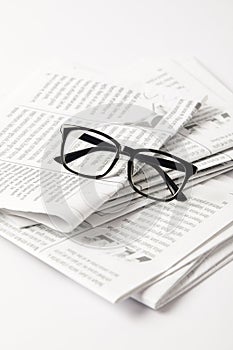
154	174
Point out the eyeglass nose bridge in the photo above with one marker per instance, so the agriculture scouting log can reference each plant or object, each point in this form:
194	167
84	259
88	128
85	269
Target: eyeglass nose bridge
128	151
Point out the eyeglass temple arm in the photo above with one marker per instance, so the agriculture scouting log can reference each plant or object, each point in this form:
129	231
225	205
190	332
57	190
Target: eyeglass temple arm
173	188
70	157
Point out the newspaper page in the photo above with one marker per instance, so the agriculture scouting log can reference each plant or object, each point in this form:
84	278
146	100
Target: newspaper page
30	139
115	261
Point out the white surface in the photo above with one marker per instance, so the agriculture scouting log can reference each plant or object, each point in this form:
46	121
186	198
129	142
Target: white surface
40	308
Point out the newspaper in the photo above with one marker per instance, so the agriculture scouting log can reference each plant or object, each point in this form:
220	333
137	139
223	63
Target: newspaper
122	256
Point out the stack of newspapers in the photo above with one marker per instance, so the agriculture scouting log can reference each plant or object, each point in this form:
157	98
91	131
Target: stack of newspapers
100	232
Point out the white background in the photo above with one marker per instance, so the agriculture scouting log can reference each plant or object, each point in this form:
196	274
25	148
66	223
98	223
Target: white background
40	308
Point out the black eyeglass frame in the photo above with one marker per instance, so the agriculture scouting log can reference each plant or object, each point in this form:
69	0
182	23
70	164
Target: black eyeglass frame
190	169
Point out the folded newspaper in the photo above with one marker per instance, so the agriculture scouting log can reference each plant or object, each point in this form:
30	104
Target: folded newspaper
101	233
